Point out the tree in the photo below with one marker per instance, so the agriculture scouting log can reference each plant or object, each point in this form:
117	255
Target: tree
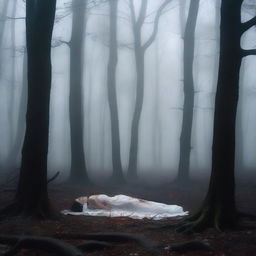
112	98
31	197
219	209
78	171
139	50
188	107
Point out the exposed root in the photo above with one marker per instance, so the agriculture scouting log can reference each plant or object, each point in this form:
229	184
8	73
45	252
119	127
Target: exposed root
93	245
114	237
53	178
193	245
245	215
39	243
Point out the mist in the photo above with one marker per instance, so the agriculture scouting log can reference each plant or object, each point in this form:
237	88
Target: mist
160	124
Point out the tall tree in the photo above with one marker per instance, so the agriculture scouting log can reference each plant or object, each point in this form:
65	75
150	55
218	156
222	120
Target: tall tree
112	97
78	172
188	106
139	50
32	197
219	209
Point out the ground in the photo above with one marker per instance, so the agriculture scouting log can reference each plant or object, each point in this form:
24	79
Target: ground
240	242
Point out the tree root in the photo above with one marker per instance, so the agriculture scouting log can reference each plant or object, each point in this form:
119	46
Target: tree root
93	245
115	237
40	243
53	177
193	245
246	216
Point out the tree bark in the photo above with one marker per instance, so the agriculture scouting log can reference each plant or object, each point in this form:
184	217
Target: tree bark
188	107
78	172
32	197
218	209
112	97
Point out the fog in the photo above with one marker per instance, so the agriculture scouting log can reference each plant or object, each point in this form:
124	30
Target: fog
162	109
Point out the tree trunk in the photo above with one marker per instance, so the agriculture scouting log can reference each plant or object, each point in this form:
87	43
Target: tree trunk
112	97
133	156
32	197
78	172
218	209
188	107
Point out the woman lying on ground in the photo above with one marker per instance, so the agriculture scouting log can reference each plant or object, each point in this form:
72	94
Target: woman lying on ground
122	205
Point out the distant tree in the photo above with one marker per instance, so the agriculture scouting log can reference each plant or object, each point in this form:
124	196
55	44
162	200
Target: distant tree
188	106
218	209
78	172
32	197
112	98
139	50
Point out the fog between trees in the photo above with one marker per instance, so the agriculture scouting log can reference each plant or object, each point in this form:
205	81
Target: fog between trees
160	122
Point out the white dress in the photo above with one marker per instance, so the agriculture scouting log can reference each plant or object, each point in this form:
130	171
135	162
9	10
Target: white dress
126	206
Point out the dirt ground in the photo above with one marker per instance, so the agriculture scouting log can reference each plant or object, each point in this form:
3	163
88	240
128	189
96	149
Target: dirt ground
240	242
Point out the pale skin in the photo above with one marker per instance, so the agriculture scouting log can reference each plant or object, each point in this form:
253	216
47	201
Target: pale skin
93	202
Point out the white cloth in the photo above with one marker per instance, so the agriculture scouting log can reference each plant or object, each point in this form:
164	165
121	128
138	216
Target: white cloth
135	208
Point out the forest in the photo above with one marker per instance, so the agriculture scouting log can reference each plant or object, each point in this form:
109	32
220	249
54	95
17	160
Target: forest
127	127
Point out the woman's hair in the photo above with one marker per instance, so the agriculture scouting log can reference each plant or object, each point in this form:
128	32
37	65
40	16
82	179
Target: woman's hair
76	207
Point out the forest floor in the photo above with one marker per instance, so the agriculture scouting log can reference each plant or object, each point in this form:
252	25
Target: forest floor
240	242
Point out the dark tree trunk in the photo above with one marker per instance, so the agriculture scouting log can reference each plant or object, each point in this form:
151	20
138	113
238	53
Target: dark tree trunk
222	186
78	172
188	107
112	98
218	209
32	197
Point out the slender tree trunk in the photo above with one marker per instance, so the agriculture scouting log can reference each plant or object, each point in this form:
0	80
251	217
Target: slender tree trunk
78	172
133	156
112	97
188	107
32	197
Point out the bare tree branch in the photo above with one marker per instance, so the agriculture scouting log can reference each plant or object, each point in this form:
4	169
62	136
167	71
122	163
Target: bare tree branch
156	22
248	24
246	53
133	16
142	14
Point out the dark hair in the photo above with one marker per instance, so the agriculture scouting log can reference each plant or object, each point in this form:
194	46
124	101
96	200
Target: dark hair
76	207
